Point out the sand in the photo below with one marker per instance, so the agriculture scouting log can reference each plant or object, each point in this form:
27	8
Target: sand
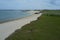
8	28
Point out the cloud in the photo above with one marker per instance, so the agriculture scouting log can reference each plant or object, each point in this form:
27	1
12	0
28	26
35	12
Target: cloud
29	4
55	2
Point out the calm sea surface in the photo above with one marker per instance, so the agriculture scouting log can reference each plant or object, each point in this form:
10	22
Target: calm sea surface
10	15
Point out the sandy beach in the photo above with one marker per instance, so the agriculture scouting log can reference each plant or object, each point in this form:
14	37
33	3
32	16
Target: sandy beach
9	27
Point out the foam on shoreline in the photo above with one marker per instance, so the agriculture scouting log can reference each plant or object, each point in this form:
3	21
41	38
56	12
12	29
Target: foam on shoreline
9	27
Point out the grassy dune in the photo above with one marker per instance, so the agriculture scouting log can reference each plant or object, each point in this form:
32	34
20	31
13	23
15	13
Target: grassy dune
47	27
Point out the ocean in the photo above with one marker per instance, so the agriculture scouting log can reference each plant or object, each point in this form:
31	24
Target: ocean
7	15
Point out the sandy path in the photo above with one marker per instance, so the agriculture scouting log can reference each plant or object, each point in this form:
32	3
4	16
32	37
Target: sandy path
9	27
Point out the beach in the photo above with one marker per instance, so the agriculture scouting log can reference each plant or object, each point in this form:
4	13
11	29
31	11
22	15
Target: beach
9	27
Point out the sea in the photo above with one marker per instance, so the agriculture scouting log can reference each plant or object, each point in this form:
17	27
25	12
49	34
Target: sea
7	15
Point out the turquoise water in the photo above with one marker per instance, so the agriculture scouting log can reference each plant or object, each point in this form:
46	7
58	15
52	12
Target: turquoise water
10	15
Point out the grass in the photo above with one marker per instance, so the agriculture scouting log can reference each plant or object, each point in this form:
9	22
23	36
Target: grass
52	12
45	28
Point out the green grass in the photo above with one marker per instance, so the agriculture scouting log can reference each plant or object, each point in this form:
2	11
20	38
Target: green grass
45	28
52	12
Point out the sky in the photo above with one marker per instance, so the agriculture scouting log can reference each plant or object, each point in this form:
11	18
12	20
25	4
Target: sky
29	4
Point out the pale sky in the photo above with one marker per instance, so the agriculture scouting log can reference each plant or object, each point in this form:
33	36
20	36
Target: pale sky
29	4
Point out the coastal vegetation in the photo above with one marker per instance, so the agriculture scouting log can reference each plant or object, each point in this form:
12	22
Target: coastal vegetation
47	27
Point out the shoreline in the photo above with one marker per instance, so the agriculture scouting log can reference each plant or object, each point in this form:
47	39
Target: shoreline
9	27
31	13
14	19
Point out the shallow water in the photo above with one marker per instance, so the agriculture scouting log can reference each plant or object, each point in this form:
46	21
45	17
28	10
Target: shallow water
10	15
